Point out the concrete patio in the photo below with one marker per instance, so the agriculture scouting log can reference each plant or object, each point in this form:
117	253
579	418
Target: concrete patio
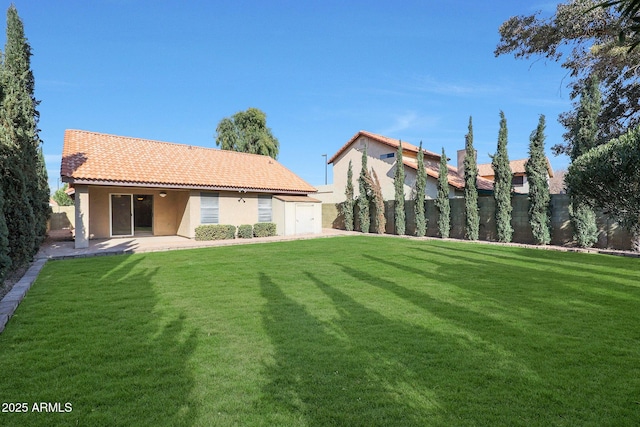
60	247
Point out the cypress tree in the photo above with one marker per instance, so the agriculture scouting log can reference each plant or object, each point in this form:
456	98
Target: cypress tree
18	213
421	184
347	206
5	260
26	191
539	198
363	197
373	183
398	182
472	217
584	135
442	202
502	184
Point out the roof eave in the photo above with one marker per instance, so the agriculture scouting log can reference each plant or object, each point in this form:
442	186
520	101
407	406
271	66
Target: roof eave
174	186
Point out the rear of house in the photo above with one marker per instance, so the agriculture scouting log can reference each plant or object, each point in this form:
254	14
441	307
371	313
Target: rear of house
135	187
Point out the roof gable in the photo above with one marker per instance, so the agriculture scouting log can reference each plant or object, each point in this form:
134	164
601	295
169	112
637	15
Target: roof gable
453	178
90	157
406	147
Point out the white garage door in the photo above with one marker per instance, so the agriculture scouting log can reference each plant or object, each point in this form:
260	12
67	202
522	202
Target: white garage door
304	218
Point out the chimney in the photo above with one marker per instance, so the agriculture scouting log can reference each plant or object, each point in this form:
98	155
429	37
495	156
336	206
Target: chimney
462	154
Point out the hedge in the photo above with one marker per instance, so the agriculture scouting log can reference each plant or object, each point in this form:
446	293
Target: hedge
245	231
215	232
264	229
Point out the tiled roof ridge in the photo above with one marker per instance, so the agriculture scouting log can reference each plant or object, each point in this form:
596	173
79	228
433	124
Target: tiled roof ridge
406	145
179	144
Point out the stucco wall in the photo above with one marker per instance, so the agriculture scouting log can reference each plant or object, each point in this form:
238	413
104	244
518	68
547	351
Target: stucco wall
167	211
62	217
238	208
178	213
385	169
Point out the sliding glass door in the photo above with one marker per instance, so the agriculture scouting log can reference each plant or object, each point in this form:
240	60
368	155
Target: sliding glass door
122	215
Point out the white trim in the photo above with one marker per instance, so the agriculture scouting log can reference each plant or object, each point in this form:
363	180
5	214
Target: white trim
111	215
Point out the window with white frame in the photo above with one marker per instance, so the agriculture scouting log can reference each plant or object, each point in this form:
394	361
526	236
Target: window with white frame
209	208
264	208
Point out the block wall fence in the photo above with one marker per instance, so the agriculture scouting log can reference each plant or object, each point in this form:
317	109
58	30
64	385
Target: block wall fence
612	235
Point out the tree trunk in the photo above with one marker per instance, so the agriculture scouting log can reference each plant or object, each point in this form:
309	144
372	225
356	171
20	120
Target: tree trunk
635	237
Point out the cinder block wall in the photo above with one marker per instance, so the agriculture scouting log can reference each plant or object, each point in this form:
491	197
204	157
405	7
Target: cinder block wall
62	217
612	235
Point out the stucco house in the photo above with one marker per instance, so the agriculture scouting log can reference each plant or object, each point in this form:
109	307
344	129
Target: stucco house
381	157
132	187
519	181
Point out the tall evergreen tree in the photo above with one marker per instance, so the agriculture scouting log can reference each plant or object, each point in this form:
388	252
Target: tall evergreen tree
347	206
26	190
379	219
398	182
5	260
442	202
363	197
421	184
539	197
502	184
584	136
472	210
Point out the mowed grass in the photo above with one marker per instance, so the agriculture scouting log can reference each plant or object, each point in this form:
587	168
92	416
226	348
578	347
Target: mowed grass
354	331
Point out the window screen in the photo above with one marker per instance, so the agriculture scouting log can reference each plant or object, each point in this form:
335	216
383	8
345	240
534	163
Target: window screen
208	208
264	208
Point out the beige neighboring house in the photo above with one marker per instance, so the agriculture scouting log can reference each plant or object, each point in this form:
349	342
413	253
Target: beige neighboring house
519	181
134	187
381	157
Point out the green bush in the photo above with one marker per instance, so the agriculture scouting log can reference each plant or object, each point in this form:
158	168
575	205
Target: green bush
245	231
264	229
215	232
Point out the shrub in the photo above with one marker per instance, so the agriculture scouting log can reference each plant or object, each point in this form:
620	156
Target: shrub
215	232
583	219
264	229
245	231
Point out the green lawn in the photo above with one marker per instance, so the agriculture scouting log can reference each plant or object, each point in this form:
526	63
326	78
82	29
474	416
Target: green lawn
356	331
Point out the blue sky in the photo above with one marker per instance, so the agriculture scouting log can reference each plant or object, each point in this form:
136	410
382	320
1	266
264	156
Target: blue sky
320	70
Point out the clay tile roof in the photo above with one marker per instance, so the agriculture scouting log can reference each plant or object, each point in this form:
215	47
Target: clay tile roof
453	178
90	157
406	147
517	166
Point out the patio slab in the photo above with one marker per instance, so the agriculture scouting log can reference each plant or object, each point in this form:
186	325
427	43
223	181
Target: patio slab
128	245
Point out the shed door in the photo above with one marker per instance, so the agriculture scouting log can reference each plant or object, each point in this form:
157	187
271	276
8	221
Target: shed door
304	218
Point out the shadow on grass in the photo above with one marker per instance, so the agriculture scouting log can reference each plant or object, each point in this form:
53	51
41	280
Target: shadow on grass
575	338
363	368
626	269
468	267
98	340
